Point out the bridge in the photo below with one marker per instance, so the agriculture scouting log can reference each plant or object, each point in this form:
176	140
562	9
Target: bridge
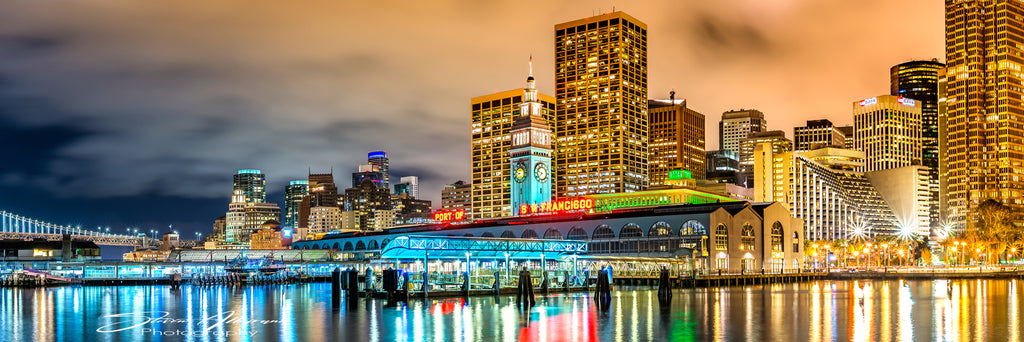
13	226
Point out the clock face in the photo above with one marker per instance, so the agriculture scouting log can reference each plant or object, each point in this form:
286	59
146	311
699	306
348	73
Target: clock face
520	173
541	172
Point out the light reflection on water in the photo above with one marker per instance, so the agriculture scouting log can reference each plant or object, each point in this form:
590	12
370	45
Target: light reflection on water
824	310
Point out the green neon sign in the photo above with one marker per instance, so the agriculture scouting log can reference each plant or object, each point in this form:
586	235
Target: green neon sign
680	174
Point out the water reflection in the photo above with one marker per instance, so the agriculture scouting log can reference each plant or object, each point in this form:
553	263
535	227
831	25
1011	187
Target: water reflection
824	310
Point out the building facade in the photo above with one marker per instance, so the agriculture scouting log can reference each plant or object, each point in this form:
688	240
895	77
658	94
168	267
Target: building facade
919	80
492	117
676	140
888	131
294	194
817	134
980	108
243	219
457	196
728	236
364	200
601	92
371	172
379	159
737	125
776	140
251	185
408	185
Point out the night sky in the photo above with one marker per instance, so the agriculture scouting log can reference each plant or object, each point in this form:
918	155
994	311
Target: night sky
128	113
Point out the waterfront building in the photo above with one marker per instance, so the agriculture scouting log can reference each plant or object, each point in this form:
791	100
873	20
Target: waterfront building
676	140
492	117
457	196
817	134
727	236
219	225
737	125
169	241
530	152
919	80
408	185
364	199
824	189
980	109
601	92
888	130
39	250
371	172
251	185
775	139
379	159
294	194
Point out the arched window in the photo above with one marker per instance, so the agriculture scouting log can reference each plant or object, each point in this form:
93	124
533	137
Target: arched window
661	238
373	245
487	234
508	235
602	239
777	237
336	245
529	234
576	233
384	243
348	246
692	233
722	237
552	234
630	238
747	238
360	246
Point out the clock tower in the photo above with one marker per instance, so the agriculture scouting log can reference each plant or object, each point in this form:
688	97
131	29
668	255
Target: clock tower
530	151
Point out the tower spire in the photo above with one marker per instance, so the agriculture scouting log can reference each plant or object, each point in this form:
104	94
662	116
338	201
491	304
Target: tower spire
531	65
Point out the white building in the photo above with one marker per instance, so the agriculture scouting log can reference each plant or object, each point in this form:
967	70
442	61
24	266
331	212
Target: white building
888	129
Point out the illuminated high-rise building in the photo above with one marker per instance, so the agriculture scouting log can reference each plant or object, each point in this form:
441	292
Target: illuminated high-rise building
492	117
457	196
888	131
676	139
775	140
409	185
737	125
848	137
980	108
369	171
252	184
601	89
530	152
817	134
379	159
919	80
294	194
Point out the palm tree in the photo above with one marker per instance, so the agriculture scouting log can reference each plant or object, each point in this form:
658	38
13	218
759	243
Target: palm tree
995	229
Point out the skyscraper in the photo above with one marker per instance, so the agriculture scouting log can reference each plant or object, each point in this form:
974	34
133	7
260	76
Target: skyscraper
676	139
737	125
919	80
776	142
492	117
888	130
379	159
601	92
530	152
817	134
982	103
456	196
294	194
371	172
252	186
365	199
409	185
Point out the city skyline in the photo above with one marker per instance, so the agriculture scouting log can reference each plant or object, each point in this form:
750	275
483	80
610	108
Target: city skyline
78	135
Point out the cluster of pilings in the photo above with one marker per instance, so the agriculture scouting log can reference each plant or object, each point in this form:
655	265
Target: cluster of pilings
23	280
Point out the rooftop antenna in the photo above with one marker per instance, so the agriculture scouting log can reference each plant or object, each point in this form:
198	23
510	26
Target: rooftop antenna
672	96
531	64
